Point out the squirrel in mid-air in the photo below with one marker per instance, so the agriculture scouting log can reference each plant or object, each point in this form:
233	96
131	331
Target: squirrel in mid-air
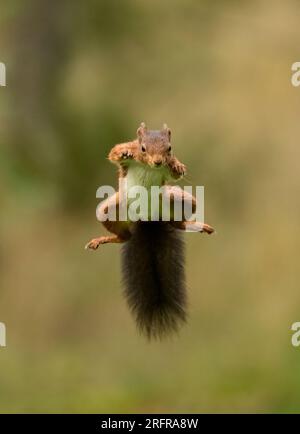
153	251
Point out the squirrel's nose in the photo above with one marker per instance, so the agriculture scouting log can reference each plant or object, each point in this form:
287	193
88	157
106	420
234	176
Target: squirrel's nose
157	162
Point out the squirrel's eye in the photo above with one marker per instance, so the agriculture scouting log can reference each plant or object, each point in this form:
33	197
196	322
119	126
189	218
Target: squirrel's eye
170	148
143	148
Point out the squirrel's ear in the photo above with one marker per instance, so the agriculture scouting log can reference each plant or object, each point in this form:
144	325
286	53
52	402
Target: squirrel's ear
167	131
141	131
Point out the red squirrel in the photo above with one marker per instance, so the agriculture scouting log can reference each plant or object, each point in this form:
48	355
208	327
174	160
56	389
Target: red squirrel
153	251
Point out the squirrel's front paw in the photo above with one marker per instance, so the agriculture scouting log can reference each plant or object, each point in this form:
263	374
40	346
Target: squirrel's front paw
120	153
126	155
179	170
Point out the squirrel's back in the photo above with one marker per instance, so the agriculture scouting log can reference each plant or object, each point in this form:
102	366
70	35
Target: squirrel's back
154	278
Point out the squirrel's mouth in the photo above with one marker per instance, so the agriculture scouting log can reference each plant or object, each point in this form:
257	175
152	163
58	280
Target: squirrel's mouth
156	161
157	164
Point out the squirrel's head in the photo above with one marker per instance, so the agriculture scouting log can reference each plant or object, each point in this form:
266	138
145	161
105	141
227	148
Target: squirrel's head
155	146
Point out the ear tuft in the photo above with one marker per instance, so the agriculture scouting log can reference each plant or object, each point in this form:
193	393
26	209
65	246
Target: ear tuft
141	131
167	131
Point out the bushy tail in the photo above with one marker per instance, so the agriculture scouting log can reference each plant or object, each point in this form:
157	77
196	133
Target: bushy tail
154	278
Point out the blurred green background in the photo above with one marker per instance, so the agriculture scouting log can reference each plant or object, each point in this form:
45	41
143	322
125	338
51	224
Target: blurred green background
81	76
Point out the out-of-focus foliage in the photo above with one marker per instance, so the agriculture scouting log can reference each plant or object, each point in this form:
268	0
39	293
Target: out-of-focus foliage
81	76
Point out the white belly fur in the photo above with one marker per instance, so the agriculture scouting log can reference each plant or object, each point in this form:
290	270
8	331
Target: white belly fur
144	176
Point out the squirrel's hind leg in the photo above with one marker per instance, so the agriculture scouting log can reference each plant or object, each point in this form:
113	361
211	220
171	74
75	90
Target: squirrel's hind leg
193	227
176	194
119	229
95	242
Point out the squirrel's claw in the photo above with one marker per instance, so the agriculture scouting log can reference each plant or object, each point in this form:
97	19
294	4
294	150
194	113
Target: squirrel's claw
126	155
178	169
93	244
181	170
208	229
